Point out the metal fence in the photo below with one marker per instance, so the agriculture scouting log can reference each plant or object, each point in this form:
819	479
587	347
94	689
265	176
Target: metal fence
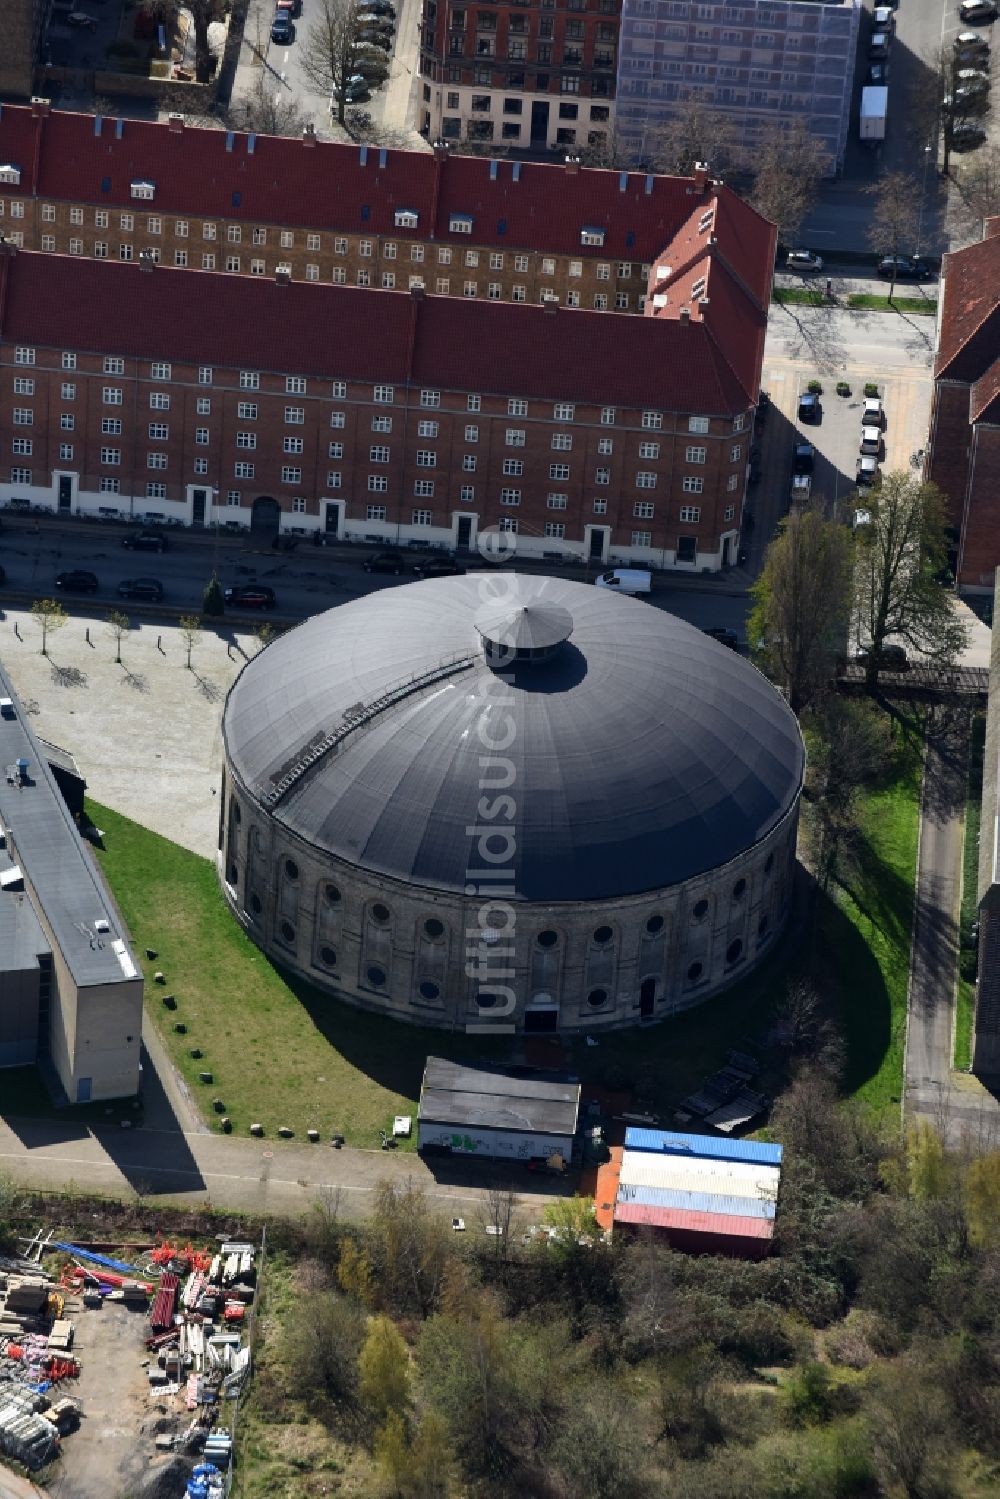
957	680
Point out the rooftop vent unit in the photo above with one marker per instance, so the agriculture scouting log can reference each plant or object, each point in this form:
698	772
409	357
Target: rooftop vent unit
22	771
11	879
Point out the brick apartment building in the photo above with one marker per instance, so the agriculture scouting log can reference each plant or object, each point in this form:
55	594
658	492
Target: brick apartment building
518	74
341	214
963	456
23	24
135	389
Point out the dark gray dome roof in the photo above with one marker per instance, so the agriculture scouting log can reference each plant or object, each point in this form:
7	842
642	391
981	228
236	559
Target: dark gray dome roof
641	751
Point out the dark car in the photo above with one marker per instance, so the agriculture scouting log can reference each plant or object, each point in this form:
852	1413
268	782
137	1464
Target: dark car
77	580
438	567
385	562
373	38
141	588
803	458
145	541
809	407
878	73
282	29
723	636
250	596
890	658
966	135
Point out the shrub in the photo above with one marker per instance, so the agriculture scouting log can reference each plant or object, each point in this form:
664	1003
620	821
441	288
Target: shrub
871	389
843	389
815	387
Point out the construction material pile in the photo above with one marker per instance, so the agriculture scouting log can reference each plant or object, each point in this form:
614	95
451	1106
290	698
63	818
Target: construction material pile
35	1340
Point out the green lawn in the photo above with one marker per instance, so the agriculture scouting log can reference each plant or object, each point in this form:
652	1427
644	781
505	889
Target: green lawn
798	296
970	880
872	303
866	927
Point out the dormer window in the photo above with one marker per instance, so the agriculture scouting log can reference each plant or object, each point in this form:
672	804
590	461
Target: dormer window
698	287
10	173
591	236
705	222
406	218
144	190
460	223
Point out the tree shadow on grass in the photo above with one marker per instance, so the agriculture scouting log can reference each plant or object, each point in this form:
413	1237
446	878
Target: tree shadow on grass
68	676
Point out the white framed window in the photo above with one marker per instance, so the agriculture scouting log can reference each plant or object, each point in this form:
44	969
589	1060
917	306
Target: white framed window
733	483
259	236
100	218
444	255
243	470
605	446
739	422
206	374
249	380
48	242
340	246
338	419
388	280
621	301
513	467
470	288
473	403
555	528
383	395
645	480
293	445
109	486
76	215
201	437
691	513
469	462
338	390
128	221
559	471
426	458
695	455
377	484
643	510
421	517
600	507
600	301
113	396
335	450
729	512
520	263
572	299
159	400
295	416
695	423
246	439
24	416
156	460
428	429
548	266
100	249
159	432
290	474
642	538
517	408
381	423
378	454
111	426
234	497
472	434
365	248
69	362
299	504
76	247
181	229
508	523
494	291
510	497
519	293
691	485
653	420
472	258
247	411
234	234
576	267
159	371
736	453
556	501
602	476
180	259
111	457
423	489
562	442
21	447
430	398
295	385
375	512
67	421
24	356
154	225
333	479
156	489
652	450
208	262
233	263
467	494
24	386
563	411
124	252
516	437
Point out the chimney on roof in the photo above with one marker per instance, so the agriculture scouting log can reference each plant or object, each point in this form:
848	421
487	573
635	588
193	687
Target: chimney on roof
700	176
175	122
440	149
684	314
282	276
573	164
39	108
417	293
146	260
309	134
551	306
703	302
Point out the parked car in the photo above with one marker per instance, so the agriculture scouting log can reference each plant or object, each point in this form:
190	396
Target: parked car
878	73
381	8
871	440
77	580
357	89
290	7
809	407
966	135
250	596
868	475
81	19
438	567
803	260
890	658
803	458
906	267
372	18
970	57
883	18
145	541
723	635
385	562
282	30
373	38
141	588
878	47
974	43
873	412
974	11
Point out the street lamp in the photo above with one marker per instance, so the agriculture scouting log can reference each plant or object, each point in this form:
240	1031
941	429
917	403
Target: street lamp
923	195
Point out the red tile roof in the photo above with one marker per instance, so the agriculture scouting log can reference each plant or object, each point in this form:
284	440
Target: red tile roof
333	186
350	333
969	337
984	397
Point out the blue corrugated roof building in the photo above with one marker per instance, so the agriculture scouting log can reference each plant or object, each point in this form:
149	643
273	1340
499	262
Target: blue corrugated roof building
668	1142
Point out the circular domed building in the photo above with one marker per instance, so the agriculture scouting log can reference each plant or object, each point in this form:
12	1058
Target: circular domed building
509	802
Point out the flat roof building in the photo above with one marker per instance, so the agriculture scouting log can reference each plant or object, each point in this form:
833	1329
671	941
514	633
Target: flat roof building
70	988
495	1114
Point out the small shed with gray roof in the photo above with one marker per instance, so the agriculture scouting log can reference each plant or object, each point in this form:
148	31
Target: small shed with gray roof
496	1114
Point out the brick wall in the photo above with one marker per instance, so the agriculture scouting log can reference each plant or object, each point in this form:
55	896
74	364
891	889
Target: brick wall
980	549
21	25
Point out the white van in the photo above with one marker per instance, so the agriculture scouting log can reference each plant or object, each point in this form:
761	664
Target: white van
626	580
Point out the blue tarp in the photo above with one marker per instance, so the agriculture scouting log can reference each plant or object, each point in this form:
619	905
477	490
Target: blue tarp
97	1259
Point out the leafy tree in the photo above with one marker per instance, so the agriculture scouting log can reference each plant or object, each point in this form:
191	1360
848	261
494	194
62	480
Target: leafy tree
911	1426
787	168
982	1200
572	1219
354	1273
850	745
409	1247
687	1403
323	1338
118	627
898	556
264	633
802	604
212	601
190	628
893	227
927	1168
417	1467
266	109
49	615
598	1449
384	1370
329	53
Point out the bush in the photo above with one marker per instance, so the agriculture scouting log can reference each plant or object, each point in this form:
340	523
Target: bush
815	387
843	389
212	602
871	389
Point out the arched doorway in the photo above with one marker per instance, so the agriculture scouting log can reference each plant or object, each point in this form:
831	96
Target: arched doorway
265	518
647	996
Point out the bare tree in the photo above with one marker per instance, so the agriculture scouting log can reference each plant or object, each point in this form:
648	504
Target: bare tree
979	186
190	627
893	228
267	108
119	625
49	615
498	1216
329	52
788	166
802	604
899	554
694	134
203	13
